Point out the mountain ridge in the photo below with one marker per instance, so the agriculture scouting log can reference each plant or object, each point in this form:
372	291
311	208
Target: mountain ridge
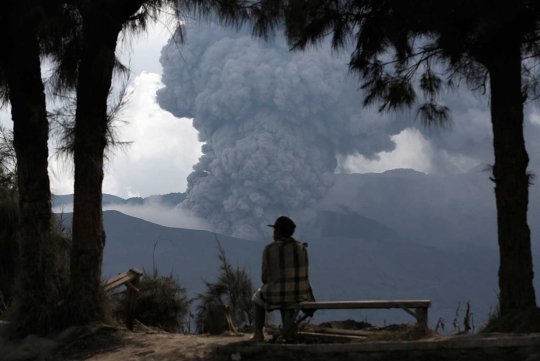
342	268
169	199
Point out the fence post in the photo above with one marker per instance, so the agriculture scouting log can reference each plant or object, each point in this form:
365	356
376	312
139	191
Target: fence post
131	297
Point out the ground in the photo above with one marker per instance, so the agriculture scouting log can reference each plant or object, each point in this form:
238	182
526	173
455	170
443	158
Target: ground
148	346
106	343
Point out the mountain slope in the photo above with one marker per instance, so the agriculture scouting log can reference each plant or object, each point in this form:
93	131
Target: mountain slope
342	268
168	200
189	253
453	211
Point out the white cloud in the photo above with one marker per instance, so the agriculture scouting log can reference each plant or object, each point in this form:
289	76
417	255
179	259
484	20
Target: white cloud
412	151
160	158
164	147
163	151
132	194
5	118
535	117
142	52
152	212
178	218
60	176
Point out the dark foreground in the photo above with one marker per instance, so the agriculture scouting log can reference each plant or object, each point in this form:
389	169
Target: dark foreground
494	347
105	343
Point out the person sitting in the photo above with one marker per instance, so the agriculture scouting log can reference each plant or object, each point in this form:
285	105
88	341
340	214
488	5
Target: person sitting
285	278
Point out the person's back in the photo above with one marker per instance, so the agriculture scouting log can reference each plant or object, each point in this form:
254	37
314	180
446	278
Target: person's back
285	278
285	274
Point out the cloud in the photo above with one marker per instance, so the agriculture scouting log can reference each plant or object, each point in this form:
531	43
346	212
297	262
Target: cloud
160	158
5	118
272	122
141	53
413	151
153	212
164	216
164	147
467	143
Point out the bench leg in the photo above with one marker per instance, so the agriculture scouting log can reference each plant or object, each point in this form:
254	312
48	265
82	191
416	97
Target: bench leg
288	318
132	295
259	314
422	318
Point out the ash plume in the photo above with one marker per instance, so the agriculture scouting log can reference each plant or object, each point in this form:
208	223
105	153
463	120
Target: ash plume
272	122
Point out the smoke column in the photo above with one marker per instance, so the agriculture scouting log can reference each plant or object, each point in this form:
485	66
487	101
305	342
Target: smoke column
273	123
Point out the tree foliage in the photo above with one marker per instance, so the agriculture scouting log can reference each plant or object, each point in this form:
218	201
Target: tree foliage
8	165
79	37
407	53
86	61
10	262
9	214
24	25
62	123
233	288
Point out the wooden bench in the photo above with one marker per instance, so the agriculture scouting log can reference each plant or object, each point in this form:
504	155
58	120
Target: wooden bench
420	307
131	279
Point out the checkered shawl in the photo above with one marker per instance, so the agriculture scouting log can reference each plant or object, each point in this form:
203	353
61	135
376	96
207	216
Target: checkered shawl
285	274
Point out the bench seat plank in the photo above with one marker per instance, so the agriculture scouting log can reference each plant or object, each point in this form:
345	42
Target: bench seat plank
338	305
120	279
117	282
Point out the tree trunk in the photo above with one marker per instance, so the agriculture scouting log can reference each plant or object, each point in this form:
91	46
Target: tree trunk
94	82
102	23
39	280
511	180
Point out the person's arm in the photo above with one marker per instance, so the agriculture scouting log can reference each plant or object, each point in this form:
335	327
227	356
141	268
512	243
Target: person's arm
265	270
311	295
306	255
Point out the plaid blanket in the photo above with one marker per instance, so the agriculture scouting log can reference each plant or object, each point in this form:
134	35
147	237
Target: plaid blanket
285	274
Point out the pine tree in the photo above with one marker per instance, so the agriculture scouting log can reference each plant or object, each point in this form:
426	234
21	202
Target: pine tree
23	23
407	52
85	63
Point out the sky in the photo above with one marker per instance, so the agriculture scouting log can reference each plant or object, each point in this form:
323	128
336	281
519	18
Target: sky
165	148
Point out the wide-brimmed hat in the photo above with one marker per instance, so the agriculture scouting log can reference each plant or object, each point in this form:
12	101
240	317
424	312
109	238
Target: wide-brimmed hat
284	223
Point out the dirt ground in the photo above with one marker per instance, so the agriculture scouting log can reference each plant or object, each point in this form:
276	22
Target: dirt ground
102	342
117	344
108	344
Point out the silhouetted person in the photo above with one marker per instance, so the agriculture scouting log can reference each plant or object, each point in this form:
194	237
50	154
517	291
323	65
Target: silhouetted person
285	277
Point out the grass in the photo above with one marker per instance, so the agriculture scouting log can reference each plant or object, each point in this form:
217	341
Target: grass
233	288
162	302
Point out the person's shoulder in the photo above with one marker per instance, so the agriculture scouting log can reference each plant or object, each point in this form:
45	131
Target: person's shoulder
298	243
302	246
271	245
